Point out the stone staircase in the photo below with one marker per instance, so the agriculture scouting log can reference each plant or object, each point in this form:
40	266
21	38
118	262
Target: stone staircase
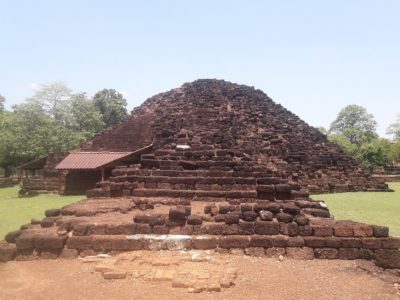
197	175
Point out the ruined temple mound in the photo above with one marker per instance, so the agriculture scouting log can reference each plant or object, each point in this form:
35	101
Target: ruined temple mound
227	169
214	115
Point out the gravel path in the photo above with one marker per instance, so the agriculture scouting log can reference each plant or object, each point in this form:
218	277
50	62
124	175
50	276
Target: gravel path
257	278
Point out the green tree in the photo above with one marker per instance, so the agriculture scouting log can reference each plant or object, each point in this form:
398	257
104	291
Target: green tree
25	134
356	124
394	129
29	132
394	152
369	155
86	117
2	101
347	147
373	154
112	106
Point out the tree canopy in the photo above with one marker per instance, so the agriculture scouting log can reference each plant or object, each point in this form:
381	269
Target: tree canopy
53	98
112	106
356	124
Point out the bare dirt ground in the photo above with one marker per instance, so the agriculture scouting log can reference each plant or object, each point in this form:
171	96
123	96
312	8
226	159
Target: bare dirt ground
194	275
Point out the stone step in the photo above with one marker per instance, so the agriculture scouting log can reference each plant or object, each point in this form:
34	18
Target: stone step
197	186
196	173
191	180
186	164
300	248
195	194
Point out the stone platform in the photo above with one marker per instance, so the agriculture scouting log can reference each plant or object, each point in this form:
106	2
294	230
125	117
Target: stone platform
299	229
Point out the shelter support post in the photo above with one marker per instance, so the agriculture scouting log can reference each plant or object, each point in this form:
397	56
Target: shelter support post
59	182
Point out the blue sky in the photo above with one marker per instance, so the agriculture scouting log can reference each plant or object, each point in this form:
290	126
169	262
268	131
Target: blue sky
313	57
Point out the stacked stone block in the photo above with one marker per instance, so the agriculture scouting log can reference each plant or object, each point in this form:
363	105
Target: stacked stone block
263	228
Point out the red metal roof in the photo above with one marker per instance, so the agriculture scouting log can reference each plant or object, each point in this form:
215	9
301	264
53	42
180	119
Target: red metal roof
90	160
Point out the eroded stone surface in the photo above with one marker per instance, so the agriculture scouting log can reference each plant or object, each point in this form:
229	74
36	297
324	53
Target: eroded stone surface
195	271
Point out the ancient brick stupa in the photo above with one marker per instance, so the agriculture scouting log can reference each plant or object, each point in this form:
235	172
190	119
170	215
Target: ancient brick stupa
225	167
210	116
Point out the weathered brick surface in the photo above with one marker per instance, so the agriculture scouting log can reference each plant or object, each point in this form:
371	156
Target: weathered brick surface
388	258
261	241
322	230
326	253
194	220
289	229
160	229
266	228
7	251
121	243
46	242
204	243
302	253
25	240
52	212
315	242
80	242
228	242
50	254
296	242
363	231
12	236
350	243
280	241
333	242
275	252
370	243
246	228
255	251
390	243
68	253
349	253
367	254
380	231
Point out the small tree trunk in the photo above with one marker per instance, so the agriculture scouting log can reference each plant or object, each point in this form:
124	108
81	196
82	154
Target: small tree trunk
7	172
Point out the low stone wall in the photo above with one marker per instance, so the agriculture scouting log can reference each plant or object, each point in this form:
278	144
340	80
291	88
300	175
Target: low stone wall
6	182
388	178
263	228
46	179
40	184
385	251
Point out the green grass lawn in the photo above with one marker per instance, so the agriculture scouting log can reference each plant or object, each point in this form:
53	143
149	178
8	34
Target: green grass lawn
378	208
16	211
